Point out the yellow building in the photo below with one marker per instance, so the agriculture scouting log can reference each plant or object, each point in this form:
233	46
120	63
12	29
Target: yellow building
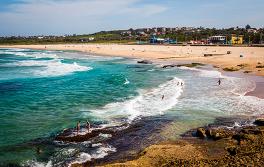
237	39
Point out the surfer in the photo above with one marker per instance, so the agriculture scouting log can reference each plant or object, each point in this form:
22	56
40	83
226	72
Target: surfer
162	97
88	125
78	127
219	82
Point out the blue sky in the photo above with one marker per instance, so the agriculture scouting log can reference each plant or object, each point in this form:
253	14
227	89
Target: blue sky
58	17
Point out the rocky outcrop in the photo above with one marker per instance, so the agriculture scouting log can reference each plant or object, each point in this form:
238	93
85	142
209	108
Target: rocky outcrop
259	122
201	132
240	146
68	136
214	133
144	62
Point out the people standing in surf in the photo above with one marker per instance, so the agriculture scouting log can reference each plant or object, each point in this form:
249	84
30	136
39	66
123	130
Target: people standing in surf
162	97
219	82
88	126
78	127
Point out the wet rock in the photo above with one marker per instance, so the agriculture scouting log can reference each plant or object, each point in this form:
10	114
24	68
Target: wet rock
252	130
217	134
68	136
207	55
232	150
169	66
201	133
259	122
144	62
209	133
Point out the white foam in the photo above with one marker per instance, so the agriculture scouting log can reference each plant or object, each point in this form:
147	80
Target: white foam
126	82
31	54
205	73
147	103
241	86
101	152
49	68
33	163
82	158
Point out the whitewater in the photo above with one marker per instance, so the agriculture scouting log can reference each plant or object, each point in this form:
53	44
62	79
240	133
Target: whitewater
45	92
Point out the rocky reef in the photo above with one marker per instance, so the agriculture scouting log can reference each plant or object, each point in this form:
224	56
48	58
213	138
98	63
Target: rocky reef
208	146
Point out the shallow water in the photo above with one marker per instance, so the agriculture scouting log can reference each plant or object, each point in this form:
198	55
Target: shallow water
44	92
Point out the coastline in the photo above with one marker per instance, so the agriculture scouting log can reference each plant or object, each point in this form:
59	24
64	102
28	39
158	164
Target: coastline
161	54
245	59
211	145
190	148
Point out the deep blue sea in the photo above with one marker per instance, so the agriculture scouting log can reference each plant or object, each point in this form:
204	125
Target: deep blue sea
44	92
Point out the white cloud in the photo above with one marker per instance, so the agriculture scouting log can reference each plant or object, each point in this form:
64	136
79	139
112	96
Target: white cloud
65	16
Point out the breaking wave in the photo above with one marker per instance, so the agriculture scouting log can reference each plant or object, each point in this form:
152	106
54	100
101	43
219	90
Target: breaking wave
149	102
47	68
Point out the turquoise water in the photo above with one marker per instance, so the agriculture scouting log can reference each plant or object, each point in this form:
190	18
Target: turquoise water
44	92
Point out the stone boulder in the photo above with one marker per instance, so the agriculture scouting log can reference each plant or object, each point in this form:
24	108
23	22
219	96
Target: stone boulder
144	62
219	133
201	133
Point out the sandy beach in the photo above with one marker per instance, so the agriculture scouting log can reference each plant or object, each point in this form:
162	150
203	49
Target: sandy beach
246	59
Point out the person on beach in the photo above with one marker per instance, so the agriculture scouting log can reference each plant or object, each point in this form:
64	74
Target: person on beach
88	126
181	83
78	127
162	97
219	82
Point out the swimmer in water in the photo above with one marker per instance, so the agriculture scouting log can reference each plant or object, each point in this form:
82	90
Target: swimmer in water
219	82
162	97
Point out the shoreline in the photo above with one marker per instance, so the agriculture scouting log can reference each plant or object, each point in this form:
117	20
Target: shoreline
165	54
245	59
256	92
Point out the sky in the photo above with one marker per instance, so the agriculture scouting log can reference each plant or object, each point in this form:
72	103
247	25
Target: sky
59	17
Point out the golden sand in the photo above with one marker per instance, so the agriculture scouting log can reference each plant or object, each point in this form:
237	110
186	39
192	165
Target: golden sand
250	59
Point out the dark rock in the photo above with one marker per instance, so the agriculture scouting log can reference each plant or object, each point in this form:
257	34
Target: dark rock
66	136
252	130
209	133
259	122
232	150
220	133
207	55
201	133
144	62
170	65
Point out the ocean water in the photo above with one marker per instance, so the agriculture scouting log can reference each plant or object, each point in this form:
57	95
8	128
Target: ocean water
44	92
